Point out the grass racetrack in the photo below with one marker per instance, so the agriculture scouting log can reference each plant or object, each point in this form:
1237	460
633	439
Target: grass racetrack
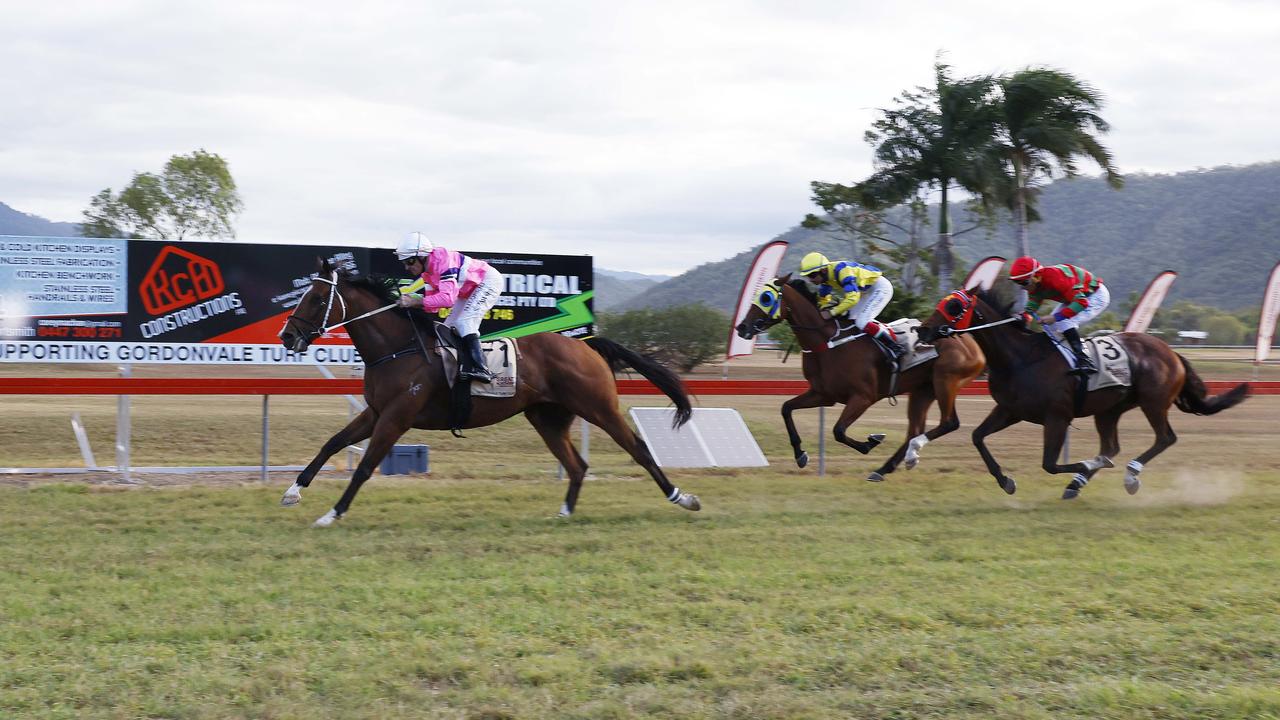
790	595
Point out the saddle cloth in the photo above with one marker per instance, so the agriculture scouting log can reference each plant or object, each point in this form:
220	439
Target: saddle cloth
905	329
500	357
1109	356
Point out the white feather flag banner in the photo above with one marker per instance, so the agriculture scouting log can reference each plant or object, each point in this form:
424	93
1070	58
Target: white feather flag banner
984	274
1267	320
1149	303
763	269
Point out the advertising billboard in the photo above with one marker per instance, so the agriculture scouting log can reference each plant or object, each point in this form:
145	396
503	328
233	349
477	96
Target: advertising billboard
146	301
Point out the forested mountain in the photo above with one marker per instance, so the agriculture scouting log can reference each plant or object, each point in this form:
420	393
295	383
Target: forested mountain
13	222
1219	229
615	287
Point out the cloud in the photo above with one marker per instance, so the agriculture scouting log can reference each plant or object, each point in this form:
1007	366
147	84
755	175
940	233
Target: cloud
654	136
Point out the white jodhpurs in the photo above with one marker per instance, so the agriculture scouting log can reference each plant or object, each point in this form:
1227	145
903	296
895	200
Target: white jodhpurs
468	311
1098	303
873	301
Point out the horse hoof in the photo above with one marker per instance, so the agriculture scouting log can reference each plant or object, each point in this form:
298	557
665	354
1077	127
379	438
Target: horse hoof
1070	493
1007	484
564	511
1132	484
875	439
291	497
326	519
689	501
911	462
802	459
875	477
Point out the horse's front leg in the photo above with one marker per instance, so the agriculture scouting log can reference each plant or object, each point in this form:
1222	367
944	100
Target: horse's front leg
997	420
360	427
387	430
810	398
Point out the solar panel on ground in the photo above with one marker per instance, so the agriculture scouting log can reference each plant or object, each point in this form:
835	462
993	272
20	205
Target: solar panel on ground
715	437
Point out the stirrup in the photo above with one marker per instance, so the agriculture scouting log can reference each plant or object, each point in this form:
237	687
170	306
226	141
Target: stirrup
1083	368
483	375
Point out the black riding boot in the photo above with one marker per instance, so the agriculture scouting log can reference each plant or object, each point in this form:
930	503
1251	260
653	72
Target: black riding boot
1084	364
472	359
894	349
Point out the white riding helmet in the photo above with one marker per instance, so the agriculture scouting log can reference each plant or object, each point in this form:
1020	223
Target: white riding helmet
415	244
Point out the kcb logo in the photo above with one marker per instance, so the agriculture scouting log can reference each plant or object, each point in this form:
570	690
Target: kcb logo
178	278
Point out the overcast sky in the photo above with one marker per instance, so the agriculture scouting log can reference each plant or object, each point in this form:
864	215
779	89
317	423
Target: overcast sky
655	136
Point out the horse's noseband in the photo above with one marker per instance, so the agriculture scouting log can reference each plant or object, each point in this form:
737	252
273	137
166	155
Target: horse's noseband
318	330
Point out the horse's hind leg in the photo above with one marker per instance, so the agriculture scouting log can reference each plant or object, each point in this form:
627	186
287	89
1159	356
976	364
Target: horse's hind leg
612	422
853	409
552	423
1055	433
360	427
917	412
948	417
1158	416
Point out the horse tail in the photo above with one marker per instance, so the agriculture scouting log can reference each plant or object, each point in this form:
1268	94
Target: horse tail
1194	397
619	357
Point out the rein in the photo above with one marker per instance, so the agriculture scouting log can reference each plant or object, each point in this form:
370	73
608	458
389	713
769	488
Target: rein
947	330
322	328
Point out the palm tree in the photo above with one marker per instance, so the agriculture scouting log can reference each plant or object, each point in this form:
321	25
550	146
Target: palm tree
935	140
1048	120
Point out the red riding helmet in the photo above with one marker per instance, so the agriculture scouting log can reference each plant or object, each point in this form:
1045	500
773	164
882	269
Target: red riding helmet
1023	268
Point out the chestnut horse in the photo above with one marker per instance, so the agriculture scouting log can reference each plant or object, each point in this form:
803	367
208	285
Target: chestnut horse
1030	380
857	374
405	386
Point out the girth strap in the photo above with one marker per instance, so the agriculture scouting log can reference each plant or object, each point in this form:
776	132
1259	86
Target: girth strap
399	353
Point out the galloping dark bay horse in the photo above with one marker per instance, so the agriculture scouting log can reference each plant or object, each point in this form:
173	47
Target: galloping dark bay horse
405	386
857	374
1030	380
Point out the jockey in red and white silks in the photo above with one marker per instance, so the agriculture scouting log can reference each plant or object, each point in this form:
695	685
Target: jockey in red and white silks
1081	296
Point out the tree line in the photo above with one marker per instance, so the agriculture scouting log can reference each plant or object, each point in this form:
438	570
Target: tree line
995	138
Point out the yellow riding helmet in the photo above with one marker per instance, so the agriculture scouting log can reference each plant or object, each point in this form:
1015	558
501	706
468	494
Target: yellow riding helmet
812	262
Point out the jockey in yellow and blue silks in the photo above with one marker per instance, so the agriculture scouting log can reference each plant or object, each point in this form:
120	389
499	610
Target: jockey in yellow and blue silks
859	292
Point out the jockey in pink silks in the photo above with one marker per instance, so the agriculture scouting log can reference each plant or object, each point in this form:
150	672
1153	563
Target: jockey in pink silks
467	285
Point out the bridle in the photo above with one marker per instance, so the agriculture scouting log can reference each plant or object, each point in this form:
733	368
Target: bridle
968	310
318	330
769	301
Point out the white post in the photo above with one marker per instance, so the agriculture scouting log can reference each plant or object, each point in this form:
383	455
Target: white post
122	430
83	439
822	441
266	425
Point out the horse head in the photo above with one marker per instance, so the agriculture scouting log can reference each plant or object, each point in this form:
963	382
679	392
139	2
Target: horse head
959	310
335	298
767	309
792	301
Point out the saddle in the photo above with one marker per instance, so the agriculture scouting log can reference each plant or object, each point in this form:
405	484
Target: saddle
501	356
908	339
1109	356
